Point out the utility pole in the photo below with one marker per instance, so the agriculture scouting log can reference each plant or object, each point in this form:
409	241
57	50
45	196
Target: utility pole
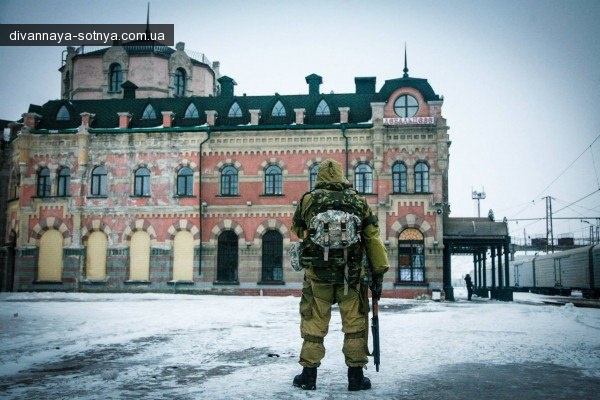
478	196
549	233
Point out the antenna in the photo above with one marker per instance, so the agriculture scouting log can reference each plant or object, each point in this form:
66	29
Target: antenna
475	195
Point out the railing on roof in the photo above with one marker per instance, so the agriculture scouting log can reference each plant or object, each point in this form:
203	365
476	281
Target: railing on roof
195	55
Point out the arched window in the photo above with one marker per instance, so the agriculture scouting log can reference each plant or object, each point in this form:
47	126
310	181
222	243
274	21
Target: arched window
411	256
139	256
229	181
98	181
227	257
272	257
273	180
314	170
406	106
191	111
43	183
63	114
235	110
183	256
421	178
50	257
185	182
116	78
149	112
363	178
96	247
179	82
323	108
399	177
64	182
141	186
278	109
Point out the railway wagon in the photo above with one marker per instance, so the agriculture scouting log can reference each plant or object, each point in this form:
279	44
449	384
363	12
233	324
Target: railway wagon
521	273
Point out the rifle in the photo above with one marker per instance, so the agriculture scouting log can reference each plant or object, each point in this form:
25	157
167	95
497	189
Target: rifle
375	327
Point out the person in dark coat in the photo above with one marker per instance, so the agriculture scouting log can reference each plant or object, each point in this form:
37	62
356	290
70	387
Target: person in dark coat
469	283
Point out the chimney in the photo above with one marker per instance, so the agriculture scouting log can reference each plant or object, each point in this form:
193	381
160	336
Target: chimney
314	82
31	119
86	119
254	117
344	114
129	89
365	85
299	115
167	118
124	119
211	115
226	86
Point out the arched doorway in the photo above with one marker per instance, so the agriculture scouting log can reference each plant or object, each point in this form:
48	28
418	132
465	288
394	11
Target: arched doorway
227	257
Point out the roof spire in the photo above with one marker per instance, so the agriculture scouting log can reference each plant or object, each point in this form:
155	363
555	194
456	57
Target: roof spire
148	23
405	64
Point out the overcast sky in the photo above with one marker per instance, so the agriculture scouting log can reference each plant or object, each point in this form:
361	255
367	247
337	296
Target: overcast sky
520	79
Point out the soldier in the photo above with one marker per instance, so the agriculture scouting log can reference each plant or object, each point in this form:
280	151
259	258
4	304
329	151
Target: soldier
336	275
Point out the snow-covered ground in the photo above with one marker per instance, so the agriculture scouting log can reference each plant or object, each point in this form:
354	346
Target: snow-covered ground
159	346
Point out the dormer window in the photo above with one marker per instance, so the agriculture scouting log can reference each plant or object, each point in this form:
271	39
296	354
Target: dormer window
149	112
278	109
235	110
191	112
406	106
323	108
63	114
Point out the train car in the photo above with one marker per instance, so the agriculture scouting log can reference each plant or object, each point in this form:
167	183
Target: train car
562	272
521	273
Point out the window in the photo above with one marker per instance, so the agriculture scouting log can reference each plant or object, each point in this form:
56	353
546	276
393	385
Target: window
314	170
191	112
116	78
185	182
183	256
399	177
98	181
141	185
64	182
179	83
43	183
63	114
273	180
272	257
421	178
323	108
149	112
50	256
363	178
235	110
229	181
406	106
95	265
278	109
139	256
227	257
411	256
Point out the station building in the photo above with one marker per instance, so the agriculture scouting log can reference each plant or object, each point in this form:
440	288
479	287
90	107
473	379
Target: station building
152	174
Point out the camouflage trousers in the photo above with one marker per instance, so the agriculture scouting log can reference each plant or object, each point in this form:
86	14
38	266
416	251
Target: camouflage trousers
315	309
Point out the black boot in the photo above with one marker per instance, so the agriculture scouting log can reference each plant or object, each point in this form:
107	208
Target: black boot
356	379
307	380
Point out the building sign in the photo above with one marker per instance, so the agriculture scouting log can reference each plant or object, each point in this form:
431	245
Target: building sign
409	121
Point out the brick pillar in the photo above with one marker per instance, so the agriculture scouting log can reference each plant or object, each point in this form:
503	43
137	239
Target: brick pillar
31	119
86	119
168	118
377	113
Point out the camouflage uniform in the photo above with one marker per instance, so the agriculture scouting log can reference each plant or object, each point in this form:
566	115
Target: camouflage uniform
324	287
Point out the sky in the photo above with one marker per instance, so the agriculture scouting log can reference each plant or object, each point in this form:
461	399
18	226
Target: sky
520	80
162	346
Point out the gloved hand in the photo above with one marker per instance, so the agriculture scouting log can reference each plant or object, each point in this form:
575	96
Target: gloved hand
377	286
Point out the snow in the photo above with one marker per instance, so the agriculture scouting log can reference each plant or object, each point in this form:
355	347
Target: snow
115	346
